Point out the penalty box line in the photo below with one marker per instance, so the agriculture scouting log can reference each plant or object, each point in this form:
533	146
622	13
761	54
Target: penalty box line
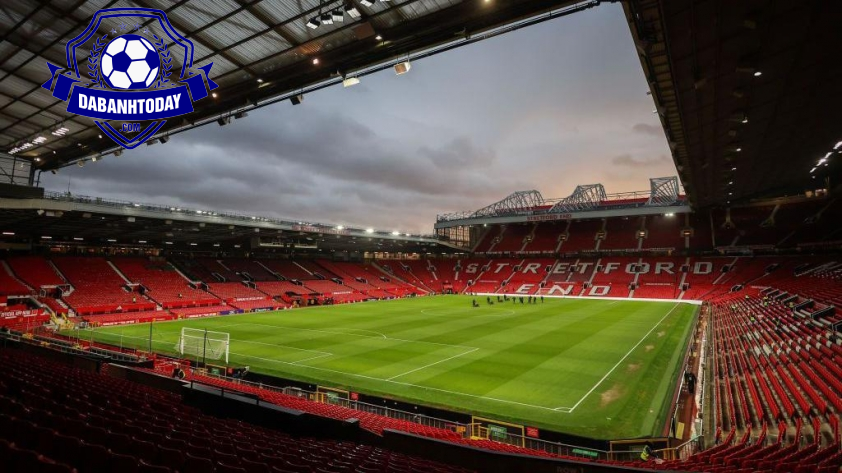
571	409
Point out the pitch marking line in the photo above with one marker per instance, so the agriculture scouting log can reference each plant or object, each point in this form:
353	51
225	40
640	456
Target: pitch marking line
357	375
432	364
622	359
321	354
355	335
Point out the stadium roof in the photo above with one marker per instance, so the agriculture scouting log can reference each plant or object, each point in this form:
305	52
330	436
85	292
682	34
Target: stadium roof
247	41
748	92
61	218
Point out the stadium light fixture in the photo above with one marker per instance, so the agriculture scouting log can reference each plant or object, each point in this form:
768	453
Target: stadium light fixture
168	243
340	227
151	142
259	80
78	238
327	19
838	145
164	139
37	160
402	68
112	240
366	3
223	121
118	153
213	95
396	233
350	81
813	170
314	23
240	115
315	61
758	73
94	159
352	11
338	15
369	230
738	150
45	237
9	233
60	131
141	241
39	140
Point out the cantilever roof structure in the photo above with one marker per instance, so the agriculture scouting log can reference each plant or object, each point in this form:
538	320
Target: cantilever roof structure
748	92
262	51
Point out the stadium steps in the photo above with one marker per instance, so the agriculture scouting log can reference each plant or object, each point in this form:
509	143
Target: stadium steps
418	284
71	288
119	273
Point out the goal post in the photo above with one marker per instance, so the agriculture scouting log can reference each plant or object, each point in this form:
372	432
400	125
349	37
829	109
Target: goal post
207	344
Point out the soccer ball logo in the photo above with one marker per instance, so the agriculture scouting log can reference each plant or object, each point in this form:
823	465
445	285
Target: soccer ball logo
130	62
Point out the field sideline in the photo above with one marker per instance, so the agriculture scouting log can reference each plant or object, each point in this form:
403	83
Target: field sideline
597	368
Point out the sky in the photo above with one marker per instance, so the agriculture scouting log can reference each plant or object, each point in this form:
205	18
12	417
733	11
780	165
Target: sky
546	107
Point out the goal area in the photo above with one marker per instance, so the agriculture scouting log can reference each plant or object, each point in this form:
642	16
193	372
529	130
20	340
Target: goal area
207	344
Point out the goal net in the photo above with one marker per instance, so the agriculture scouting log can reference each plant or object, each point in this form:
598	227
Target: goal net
209	345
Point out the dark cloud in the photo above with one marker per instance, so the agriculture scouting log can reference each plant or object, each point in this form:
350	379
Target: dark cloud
651	130
462	130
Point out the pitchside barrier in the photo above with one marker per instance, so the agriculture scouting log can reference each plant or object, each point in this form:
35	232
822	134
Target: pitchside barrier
514	434
503	432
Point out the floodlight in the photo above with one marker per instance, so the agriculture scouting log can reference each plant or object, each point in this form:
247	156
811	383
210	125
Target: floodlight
402	67
327	19
366	3
350	81
313	23
338	15
352	11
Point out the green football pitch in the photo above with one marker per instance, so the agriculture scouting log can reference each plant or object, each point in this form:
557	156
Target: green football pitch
597	368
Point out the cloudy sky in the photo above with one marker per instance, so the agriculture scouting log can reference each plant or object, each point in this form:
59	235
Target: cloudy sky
546	107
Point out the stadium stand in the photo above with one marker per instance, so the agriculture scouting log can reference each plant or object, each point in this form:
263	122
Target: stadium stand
664	232
621	234
249	269
235	291
581	236
401	271
545	238
10	285
288	269
281	288
35	271
163	283
55	418
98	289
514	238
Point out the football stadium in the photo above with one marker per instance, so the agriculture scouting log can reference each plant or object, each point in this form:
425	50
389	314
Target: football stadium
205	305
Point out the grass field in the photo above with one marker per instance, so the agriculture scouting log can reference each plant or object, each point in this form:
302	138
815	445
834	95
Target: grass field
597	368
